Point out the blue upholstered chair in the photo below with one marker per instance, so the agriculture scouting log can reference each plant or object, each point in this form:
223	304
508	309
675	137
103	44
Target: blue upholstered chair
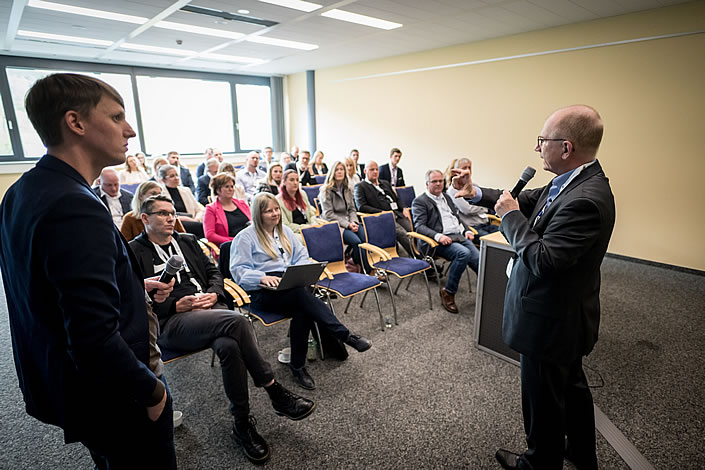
406	194
311	192
129	187
325	243
320	179
381	248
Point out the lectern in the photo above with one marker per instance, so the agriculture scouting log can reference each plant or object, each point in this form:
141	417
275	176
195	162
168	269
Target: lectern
495	253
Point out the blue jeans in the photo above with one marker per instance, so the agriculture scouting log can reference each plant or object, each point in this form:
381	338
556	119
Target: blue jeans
353	239
461	254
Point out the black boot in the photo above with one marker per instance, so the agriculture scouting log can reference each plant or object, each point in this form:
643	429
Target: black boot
358	343
286	403
253	445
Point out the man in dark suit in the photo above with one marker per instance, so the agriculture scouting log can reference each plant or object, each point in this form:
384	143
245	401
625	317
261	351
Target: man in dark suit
79	321
195	316
373	195
303	167
184	173
436	217
204	181
552	308
359	167
117	200
391	171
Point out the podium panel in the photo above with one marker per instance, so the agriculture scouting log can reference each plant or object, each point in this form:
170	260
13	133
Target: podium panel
495	253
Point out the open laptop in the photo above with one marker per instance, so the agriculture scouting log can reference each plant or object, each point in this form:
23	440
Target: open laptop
299	275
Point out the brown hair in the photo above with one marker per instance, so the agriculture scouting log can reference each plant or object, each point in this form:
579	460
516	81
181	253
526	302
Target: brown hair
220	180
51	97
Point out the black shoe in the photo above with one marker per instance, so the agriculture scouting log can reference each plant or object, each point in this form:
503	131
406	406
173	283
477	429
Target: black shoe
253	445
286	403
508	460
358	343
302	378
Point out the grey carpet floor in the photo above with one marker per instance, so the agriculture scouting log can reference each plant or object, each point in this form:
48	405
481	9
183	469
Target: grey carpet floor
424	396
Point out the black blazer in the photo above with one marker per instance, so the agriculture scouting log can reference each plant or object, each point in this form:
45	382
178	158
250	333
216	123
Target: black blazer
125	199
552	302
370	200
201	268
324	169
204	190
187	179
428	220
76	303
385	173
305	178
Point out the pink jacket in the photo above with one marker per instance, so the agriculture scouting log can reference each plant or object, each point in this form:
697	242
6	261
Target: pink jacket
215	224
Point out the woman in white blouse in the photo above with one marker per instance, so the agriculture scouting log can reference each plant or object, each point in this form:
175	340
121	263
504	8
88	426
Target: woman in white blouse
132	174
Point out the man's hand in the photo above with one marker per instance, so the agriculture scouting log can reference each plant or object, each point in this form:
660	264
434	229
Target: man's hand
205	301
163	290
186	303
271	281
469	235
462	181
505	203
445	240
406	213
154	412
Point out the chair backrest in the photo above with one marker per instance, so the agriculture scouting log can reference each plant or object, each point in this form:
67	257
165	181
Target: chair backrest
320	179
129	187
325	243
406	194
311	192
380	230
318	206
224	260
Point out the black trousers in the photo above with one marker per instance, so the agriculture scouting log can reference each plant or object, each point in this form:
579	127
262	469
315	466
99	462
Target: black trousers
232	339
557	407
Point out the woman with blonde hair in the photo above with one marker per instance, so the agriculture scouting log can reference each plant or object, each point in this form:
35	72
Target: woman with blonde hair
132	173
297	212
273	180
351	173
131	222
319	168
226	216
259	255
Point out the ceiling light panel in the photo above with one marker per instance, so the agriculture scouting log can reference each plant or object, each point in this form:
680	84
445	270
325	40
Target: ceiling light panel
34	19
108	14
361	19
295	4
62	38
282	43
132	46
215	32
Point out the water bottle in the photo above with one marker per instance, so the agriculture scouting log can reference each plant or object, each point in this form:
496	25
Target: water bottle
388	322
312	346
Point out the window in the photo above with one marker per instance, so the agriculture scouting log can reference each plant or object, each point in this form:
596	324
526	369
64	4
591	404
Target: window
5	143
254	116
186	115
22	79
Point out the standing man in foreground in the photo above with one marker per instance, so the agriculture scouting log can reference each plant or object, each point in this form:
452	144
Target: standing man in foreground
552	307
76	299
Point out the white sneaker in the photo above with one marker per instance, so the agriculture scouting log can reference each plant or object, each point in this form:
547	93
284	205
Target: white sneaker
178	419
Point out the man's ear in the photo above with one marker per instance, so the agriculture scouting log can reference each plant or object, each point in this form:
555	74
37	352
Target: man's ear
74	122
143	218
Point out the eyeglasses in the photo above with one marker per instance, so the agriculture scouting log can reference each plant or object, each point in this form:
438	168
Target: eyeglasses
540	140
435	181
163	213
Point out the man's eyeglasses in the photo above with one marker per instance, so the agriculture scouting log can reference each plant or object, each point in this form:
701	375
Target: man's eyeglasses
540	140
163	213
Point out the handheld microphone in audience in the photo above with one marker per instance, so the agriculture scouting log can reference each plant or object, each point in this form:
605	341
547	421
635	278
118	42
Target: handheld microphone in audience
173	266
526	175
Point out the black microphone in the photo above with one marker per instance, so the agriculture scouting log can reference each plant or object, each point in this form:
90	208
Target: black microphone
526	175
173	266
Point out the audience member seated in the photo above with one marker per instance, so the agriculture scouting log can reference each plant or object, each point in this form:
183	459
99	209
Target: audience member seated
204	190
337	206
359	167
303	167
142	162
273	180
184	173
350	170
226	216
115	199
284	159
207	155
265	159
132	173
195	316
296	211
374	195
250	176
156	165
436	217
472	215
268	247
390	171
132	221
294	154
318	167
187	207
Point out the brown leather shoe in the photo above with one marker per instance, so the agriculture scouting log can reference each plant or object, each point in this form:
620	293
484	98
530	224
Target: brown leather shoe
448	301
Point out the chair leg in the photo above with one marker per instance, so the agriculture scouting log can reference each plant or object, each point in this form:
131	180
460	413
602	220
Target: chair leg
396	291
467	271
411	278
320	346
347	305
363	300
428	288
394	305
212	358
379	310
330	304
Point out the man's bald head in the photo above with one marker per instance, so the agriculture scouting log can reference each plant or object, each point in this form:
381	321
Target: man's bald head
581	125
109	182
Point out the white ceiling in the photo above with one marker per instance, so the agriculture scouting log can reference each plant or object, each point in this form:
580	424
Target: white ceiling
427	24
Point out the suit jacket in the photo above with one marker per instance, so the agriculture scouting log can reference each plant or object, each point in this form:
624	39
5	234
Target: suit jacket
369	200
552	302
201	268
428	220
76	303
203	190
305	177
187	179
385	173
125	199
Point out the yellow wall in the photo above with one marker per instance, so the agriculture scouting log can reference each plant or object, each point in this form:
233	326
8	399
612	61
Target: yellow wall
296	102
650	94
